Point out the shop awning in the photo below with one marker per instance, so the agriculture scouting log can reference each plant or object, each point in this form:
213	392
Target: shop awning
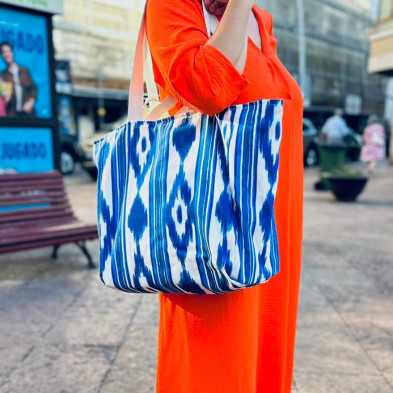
381	53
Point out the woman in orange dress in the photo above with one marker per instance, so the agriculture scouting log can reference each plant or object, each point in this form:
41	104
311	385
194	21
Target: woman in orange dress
241	342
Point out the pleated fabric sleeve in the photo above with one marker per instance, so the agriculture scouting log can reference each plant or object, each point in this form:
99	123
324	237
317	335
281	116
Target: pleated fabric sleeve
197	75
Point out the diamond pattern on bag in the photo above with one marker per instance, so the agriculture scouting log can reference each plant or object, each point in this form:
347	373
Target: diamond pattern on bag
140	145
137	219
178	208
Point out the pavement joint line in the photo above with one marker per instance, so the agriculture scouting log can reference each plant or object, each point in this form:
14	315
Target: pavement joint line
339	373
105	376
6	377
27	354
72	302
355	337
30	350
375	238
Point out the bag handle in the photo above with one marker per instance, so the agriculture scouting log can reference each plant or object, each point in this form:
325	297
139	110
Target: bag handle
135	99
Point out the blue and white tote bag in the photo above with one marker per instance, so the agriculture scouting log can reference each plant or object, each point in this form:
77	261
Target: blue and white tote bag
186	203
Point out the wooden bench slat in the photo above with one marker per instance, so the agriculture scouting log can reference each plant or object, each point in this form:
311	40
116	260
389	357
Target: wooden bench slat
44	210
26	195
32	202
30	181
49	242
30	176
47	233
34	225
5	188
33	214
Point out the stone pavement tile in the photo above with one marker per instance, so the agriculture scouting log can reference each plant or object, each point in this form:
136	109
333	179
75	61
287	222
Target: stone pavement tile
363	307
100	316
326	382
343	286
60	369
294	386
134	369
389	378
28	311
373	328
148	311
323	251
10	356
311	298
324	344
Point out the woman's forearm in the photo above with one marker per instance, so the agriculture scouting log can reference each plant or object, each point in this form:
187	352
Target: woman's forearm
231	35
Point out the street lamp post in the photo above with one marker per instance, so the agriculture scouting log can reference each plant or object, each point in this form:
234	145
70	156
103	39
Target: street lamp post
302	47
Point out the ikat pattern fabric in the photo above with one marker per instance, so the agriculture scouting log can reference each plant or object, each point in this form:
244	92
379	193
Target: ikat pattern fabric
186	203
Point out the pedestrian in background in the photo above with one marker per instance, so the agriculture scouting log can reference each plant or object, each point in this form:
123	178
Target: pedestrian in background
335	128
374	140
240	342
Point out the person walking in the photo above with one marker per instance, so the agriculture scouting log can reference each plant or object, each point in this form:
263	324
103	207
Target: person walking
240	342
374	140
335	128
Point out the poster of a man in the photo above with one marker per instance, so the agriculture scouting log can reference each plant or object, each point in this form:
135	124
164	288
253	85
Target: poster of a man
18	91
25	77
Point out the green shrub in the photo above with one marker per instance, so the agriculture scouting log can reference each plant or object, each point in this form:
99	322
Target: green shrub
347	171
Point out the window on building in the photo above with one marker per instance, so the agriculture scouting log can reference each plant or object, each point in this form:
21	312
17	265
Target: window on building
386	9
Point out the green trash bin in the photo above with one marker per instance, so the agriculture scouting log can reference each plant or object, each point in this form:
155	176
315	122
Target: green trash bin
330	157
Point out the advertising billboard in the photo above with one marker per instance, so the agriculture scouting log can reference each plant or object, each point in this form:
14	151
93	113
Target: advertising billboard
50	6
25	150
25	90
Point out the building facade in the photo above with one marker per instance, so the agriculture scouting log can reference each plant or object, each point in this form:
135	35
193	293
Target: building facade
337	50
98	38
380	61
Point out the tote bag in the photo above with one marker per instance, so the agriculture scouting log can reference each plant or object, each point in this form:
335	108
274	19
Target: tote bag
186	203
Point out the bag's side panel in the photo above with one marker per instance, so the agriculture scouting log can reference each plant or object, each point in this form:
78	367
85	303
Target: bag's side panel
105	221
253	145
269	146
158	190
180	229
135	220
222	228
206	185
119	175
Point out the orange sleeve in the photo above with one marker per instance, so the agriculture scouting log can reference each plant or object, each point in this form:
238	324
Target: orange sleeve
197	75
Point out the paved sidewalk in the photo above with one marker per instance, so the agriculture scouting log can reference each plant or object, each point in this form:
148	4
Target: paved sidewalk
61	331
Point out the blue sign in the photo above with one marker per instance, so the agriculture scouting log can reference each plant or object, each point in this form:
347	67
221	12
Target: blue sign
26	150
66	116
24	66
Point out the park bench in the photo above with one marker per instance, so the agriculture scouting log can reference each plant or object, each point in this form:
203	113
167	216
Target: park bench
35	212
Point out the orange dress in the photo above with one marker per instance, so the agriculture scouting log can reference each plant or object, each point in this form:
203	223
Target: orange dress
241	342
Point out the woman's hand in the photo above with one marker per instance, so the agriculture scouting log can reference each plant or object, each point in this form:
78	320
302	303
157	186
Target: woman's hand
216	7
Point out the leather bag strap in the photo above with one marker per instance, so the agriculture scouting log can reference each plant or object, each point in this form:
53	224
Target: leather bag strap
142	56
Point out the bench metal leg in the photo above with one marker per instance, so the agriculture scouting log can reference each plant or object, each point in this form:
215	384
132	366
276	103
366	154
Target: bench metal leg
83	248
54	252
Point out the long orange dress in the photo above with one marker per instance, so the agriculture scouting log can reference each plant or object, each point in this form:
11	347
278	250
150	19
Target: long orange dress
242	342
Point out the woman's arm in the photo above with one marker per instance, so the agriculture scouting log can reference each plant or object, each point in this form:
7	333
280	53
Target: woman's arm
232	32
186	66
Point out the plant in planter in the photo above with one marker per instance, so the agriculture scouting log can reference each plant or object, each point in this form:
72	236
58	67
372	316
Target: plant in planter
346	183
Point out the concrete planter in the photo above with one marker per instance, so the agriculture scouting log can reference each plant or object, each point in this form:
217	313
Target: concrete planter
346	188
